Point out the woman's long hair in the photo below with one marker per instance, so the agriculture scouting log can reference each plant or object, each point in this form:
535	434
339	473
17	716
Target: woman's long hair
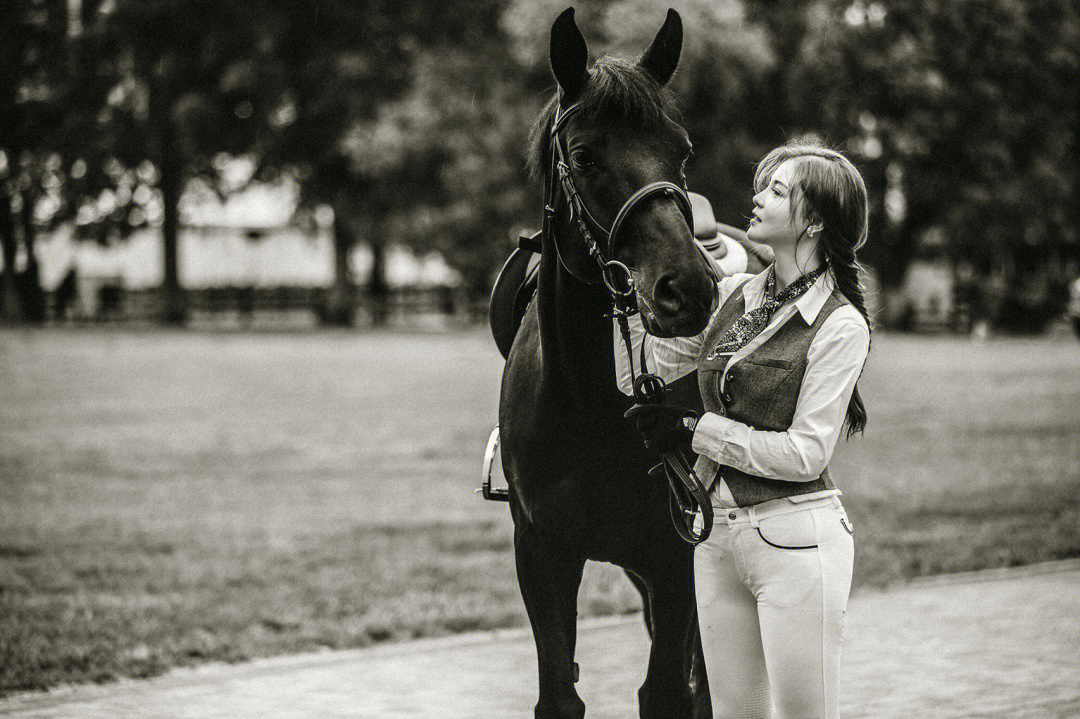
829	191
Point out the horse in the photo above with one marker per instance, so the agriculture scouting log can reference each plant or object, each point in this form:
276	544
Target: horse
612	161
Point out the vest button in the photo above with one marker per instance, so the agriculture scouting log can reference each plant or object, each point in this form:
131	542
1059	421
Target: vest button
727	398
721	411
731	375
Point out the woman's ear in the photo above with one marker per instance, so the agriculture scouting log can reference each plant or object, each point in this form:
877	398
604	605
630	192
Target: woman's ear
814	223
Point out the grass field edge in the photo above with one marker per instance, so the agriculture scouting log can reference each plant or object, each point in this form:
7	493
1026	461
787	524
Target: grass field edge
179	676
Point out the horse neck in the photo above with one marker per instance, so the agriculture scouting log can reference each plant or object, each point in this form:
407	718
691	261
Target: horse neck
575	336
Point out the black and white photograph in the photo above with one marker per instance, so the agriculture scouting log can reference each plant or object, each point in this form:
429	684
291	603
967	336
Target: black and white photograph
507	359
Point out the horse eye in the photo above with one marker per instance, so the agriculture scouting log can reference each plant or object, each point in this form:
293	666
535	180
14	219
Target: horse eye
582	158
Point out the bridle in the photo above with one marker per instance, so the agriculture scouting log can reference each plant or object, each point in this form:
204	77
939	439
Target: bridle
621	287
688	495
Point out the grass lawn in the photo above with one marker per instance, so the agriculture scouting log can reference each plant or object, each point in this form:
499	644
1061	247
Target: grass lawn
175	497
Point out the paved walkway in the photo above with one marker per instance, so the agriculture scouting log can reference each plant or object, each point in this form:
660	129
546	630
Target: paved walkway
1003	643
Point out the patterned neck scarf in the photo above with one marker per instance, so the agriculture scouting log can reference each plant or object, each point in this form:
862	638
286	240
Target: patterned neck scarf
750	325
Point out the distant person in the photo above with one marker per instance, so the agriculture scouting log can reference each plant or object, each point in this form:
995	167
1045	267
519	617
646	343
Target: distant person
245	293
65	294
777	368
1073	310
110	299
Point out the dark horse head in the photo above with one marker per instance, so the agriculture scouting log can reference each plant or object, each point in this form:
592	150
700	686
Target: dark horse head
623	135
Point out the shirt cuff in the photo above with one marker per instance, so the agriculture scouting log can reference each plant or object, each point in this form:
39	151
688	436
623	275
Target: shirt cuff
711	436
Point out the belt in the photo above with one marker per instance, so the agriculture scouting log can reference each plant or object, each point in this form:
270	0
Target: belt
775	507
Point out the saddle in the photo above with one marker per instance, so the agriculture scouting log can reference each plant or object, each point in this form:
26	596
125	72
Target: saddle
513	290
728	245
725	248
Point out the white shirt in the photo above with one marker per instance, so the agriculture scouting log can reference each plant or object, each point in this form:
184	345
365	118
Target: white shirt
833	364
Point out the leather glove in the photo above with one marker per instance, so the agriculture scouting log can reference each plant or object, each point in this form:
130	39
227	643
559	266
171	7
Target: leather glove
663	426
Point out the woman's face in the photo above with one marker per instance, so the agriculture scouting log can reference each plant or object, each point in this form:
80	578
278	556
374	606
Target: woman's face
772	222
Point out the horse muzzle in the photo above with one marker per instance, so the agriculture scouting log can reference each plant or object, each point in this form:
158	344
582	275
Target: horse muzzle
677	305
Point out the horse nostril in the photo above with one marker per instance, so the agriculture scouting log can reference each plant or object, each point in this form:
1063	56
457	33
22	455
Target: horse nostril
666	294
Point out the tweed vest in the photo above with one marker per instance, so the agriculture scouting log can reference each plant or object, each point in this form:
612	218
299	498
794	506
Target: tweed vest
761	390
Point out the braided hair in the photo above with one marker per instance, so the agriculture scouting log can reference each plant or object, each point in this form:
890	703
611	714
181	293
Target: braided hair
829	190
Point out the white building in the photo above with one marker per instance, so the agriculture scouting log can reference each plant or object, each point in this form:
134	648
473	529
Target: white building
251	239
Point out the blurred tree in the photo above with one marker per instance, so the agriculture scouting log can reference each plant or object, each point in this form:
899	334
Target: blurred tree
12	18
962	116
360	136
967	113
475	132
34	82
58	167
332	64
410	119
174	84
728	61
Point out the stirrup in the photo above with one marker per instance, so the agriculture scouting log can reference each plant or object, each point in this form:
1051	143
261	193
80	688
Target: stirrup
492	466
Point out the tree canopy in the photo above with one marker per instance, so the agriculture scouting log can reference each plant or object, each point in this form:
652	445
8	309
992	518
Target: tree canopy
410	119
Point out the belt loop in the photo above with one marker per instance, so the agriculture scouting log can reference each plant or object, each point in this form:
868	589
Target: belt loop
836	501
753	516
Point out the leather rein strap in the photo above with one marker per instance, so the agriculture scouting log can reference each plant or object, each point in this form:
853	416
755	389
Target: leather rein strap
688	495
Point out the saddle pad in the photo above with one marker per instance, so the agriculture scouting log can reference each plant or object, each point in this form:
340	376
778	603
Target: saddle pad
510	296
704	219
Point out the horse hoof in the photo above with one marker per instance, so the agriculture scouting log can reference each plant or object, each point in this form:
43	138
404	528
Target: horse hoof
570	707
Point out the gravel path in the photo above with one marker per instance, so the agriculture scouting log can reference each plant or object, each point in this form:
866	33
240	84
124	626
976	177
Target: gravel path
1001	643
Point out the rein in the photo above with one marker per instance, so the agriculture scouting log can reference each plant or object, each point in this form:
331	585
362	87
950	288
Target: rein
688	495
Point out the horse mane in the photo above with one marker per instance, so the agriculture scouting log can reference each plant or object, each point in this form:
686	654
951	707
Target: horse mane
618	92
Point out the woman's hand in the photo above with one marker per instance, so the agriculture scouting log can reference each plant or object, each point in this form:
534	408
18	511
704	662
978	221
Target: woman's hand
663	426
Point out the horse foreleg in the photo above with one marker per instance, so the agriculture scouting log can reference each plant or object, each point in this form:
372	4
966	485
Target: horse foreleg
699	680
549	581
643	590
667	692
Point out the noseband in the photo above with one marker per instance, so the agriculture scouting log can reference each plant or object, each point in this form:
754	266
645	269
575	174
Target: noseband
615	275
687	496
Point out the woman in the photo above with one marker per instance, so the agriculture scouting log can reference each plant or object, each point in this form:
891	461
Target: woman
777	367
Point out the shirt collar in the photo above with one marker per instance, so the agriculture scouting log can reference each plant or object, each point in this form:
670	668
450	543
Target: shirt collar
809	303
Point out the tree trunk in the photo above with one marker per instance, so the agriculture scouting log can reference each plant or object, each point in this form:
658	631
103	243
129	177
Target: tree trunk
339	305
33	296
11	57
378	291
879	251
10	311
175	311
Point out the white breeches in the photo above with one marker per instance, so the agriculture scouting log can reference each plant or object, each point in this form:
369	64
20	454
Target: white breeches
772	585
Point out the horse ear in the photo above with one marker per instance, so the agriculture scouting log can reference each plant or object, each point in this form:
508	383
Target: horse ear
569	56
662	57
